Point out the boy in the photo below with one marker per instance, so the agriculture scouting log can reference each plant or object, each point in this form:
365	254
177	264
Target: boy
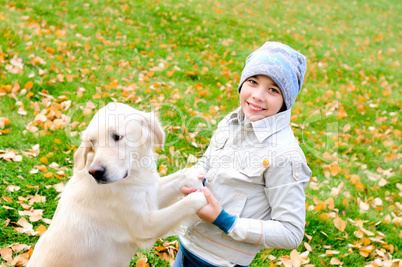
255	171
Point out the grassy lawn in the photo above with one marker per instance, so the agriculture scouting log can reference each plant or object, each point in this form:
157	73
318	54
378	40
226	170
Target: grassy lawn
60	61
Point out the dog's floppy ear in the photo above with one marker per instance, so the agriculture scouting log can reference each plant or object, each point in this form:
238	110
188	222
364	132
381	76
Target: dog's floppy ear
80	156
151	122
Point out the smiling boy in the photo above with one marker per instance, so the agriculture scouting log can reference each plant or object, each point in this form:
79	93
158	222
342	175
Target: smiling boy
255	171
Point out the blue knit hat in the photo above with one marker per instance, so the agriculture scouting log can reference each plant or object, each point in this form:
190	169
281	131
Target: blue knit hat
285	66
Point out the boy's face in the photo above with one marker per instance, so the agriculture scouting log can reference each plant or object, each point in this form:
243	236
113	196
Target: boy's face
260	97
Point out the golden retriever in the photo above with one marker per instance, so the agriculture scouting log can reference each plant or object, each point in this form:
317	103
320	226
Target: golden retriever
115	201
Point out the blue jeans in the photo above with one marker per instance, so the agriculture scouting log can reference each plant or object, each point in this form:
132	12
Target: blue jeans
182	261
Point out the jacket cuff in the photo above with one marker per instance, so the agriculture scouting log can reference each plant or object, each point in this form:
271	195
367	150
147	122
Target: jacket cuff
249	230
225	221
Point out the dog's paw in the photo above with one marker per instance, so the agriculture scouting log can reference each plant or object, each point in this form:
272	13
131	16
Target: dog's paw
197	200
191	178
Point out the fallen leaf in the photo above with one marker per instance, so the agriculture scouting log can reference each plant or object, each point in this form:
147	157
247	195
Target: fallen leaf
41	229
20	260
142	262
340	224
12	188
335	261
16	247
334	169
6	254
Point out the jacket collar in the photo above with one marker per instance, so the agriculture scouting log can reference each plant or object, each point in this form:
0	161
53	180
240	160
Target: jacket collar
263	128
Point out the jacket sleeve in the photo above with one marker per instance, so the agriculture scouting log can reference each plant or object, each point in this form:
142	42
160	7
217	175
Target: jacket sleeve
285	184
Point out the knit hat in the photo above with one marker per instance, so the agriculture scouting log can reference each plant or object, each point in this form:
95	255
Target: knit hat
285	66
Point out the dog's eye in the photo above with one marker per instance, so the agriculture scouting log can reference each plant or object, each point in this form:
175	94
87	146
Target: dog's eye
117	137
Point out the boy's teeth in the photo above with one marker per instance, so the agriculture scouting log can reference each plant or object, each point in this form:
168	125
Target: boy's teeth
252	107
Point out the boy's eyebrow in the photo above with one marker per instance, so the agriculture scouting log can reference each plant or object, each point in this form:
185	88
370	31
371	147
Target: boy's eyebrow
255	77
275	84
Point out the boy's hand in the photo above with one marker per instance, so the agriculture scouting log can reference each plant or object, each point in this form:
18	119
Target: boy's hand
210	211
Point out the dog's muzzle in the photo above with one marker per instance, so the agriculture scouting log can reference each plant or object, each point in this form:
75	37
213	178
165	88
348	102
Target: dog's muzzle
98	172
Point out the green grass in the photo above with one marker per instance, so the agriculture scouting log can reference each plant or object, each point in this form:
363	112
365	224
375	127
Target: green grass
183	59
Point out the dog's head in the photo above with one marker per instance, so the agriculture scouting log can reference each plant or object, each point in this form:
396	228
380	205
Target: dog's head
116	139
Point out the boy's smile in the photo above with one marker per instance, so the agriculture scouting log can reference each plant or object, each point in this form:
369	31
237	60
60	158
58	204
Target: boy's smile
260	97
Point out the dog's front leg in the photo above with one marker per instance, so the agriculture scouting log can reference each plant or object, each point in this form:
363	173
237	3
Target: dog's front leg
163	221
169	190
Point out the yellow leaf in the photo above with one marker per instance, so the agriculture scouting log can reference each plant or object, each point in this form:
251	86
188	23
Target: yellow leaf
96	96
41	229
162	170
29	95
42	168
9	199
170	73
48	175
359	186
366	241
44	160
50	50
334	169
355	179
28	85
57	141
142	263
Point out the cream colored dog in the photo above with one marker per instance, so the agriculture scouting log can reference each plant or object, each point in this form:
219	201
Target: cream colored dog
115	202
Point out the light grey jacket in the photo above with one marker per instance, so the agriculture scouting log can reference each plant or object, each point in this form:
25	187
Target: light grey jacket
258	172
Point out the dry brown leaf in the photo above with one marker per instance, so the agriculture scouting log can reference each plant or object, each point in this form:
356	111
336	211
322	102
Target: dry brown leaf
27	228
21	260
12	188
6	254
16	247
331	252
308	247
340	224
335	261
9	155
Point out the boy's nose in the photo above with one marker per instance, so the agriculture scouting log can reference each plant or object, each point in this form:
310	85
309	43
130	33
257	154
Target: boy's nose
258	94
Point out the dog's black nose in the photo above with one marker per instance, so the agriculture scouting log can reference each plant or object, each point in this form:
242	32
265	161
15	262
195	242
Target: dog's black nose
98	173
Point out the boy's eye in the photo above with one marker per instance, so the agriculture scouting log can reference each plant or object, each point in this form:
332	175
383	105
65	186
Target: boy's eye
273	90
253	82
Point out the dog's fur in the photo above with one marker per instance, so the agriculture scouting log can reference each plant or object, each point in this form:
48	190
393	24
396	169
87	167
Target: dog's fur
115	202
